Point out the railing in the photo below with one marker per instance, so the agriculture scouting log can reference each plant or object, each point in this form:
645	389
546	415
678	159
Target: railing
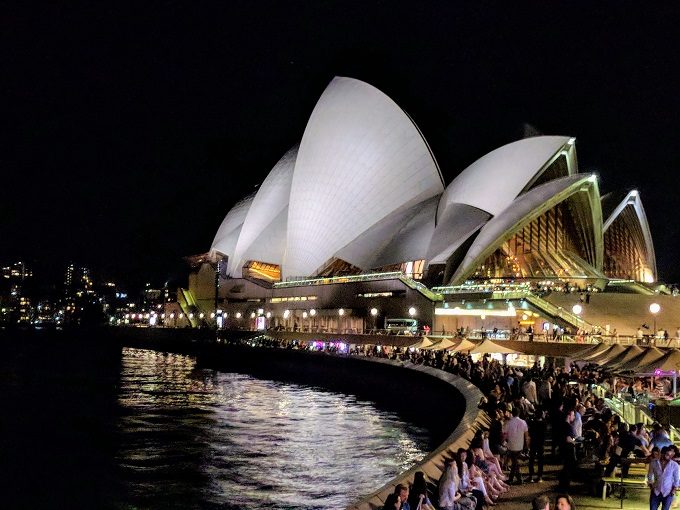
394	275
432	296
339	279
476	289
557	311
632	412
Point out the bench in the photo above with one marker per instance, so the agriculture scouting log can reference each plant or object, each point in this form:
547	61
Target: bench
636	479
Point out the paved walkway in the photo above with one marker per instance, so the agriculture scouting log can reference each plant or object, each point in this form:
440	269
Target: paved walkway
583	492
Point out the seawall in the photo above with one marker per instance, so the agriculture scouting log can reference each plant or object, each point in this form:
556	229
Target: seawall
443	403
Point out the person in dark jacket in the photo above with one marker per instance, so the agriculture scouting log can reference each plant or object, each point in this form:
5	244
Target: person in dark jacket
537	428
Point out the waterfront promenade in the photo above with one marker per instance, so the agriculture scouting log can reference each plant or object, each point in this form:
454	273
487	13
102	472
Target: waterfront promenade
583	493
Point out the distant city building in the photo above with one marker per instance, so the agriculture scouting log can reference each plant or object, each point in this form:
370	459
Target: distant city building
16	289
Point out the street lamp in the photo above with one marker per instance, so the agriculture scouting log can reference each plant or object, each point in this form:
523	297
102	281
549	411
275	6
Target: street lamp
654	308
411	311
374	314
577	309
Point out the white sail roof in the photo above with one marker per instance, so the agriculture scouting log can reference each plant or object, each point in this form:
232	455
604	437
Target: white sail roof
493	181
361	158
269	202
227	235
526	208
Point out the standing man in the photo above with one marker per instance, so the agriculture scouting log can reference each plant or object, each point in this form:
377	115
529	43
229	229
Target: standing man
663	478
568	451
516	432
537	429
529	390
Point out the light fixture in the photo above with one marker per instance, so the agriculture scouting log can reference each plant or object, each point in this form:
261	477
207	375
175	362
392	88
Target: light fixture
341	311
577	309
374	312
412	311
312	312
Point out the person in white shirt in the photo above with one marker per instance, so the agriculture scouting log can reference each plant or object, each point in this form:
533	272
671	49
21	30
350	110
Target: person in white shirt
578	420
516	432
663	478
529	390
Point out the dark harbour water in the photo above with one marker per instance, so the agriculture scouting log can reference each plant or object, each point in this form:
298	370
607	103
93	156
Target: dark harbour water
132	428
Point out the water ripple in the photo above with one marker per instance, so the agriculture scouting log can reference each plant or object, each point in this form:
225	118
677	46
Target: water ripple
196	438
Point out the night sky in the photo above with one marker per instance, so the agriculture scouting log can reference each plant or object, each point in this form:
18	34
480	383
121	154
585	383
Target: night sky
129	132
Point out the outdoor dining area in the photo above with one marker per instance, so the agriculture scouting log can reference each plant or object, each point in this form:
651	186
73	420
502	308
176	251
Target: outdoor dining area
642	381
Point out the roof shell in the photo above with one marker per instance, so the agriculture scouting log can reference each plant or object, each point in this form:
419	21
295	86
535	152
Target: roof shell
270	201
402	236
361	158
493	181
524	210
632	199
227	235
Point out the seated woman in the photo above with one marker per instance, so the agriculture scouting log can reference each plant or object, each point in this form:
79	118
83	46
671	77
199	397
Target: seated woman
450	497
489	456
475	487
488	466
417	498
488	471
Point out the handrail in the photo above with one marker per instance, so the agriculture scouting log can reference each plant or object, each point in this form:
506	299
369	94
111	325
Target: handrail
558	311
339	279
631	412
433	296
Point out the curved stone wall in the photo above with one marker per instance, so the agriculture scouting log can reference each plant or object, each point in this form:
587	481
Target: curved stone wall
389	383
433	465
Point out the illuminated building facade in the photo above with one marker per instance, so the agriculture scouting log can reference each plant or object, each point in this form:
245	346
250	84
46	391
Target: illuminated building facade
362	197
15	294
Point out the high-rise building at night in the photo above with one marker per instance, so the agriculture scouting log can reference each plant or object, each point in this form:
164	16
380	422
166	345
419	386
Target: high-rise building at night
16	288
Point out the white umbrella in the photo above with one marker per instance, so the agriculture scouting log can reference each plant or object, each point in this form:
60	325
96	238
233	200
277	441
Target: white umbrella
446	343
464	345
423	343
489	347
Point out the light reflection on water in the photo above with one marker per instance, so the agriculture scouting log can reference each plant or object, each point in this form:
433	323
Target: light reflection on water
197	438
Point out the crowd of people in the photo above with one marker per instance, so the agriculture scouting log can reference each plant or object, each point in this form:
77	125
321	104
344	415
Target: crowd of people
529	408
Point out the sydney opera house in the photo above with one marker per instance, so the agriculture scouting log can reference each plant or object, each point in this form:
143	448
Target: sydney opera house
354	228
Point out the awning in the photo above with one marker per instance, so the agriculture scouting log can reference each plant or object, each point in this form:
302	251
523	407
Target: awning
423	343
578	355
444	344
630	352
648	356
463	345
610	353
489	347
599	349
668	362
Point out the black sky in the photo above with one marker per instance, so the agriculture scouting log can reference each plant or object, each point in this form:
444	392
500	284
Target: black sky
128	132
